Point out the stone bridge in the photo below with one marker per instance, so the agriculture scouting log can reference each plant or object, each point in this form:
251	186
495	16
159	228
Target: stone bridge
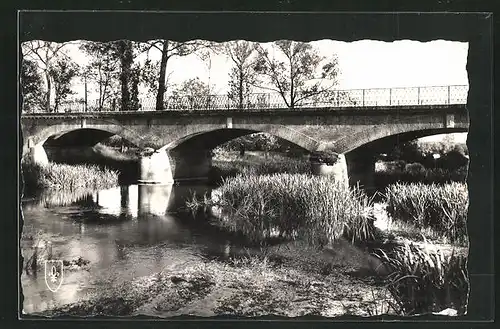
182	139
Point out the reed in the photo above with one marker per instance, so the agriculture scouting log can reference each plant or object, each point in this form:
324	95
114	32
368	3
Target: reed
67	177
292	206
423	281
442	208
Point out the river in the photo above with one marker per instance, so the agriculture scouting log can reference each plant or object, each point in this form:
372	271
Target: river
125	232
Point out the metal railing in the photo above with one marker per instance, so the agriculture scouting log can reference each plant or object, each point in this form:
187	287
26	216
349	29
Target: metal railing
417	96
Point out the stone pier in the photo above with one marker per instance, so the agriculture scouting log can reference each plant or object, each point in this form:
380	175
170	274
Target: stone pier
154	168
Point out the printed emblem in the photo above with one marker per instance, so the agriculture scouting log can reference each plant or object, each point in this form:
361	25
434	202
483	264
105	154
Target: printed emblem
54	274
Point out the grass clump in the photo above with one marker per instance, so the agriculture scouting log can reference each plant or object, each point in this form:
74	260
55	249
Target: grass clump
67	177
288	206
442	208
423	281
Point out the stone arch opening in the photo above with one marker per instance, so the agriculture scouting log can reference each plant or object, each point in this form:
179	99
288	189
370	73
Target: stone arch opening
361	160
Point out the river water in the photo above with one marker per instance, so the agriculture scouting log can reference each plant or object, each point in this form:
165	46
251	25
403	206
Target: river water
125	232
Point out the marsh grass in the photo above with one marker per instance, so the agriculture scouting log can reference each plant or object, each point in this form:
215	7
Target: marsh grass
291	206
442	208
423	281
67	177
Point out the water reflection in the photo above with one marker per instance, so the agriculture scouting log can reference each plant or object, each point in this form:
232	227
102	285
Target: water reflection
122	202
125	232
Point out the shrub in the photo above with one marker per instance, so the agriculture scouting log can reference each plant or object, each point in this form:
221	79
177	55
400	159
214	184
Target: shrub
423	281
442	208
312	208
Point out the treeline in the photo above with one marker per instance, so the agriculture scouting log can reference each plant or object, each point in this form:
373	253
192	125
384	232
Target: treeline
294	71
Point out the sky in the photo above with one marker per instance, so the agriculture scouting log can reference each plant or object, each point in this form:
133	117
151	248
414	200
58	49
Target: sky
363	64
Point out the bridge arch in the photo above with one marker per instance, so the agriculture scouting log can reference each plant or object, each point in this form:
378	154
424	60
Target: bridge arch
208	139
102	131
372	135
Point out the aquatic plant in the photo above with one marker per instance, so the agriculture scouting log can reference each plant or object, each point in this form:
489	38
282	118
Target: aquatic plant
292	206
423	281
442	208
63	176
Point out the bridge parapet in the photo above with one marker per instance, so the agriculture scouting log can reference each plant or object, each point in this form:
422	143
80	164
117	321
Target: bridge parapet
357	98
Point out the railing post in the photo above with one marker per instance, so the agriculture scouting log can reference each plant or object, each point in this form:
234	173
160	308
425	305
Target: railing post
418	95
363	97
390	96
448	95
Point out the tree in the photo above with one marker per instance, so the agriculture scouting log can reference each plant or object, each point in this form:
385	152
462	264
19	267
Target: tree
62	72
191	94
296	71
31	86
128	78
102	69
242	75
44	53
168	50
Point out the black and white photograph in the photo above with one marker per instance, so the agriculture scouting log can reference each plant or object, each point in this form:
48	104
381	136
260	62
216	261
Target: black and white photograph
244	178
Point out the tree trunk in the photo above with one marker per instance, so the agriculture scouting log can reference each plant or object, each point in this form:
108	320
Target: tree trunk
47	95
126	59
161	78
241	89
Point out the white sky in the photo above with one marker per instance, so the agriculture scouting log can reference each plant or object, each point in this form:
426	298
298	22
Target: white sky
363	64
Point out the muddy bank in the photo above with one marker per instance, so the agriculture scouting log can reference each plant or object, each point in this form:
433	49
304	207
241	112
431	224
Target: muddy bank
247	287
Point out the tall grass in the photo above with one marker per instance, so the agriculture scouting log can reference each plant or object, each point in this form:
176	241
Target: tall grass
68	177
442	208
293	206
423	281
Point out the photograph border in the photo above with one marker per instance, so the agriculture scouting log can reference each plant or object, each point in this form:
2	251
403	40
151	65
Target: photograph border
475	28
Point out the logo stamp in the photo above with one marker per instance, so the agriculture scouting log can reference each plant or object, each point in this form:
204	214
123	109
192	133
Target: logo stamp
54	273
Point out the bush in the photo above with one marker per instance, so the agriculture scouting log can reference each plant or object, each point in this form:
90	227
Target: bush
422	281
441	208
296	206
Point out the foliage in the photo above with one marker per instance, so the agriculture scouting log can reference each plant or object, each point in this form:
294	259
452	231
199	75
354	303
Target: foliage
295	70
423	281
168	49
327	157
103	69
31	86
242	76
292	206
62	73
191	94
441	208
63	176
416	173
227	164
44	54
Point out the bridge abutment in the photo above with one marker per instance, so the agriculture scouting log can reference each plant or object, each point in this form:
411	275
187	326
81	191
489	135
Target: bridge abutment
154	168
361	168
194	164
338	170
37	155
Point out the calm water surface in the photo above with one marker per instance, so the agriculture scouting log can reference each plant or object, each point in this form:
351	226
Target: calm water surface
125	232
